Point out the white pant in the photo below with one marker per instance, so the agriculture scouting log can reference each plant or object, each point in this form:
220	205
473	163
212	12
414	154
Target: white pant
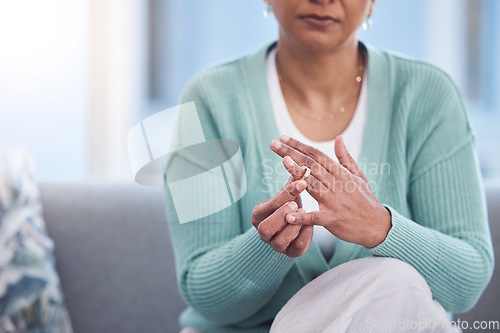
366	295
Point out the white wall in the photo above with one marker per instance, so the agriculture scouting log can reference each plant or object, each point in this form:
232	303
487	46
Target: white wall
43	83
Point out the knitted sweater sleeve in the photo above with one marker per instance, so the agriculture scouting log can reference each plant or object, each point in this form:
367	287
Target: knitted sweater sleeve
224	273
448	239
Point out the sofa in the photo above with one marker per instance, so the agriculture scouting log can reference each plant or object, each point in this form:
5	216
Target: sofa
116	263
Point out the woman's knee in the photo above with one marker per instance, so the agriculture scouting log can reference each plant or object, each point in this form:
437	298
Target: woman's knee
360	292
396	274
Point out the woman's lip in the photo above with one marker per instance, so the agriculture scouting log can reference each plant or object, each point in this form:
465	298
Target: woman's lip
320	21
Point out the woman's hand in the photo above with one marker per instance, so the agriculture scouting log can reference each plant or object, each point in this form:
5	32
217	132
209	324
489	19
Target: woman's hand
348	207
269	219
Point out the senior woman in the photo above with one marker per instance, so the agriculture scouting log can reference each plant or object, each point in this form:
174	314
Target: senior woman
388	235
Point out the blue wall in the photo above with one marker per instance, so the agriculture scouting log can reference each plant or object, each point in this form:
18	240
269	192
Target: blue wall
193	34
197	34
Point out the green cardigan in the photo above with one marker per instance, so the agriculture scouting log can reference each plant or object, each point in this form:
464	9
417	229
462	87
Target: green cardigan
418	154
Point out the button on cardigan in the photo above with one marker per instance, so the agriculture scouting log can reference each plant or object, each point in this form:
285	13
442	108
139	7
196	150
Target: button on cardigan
418	154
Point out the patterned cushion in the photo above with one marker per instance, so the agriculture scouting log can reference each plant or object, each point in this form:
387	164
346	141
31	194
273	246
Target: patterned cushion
30	295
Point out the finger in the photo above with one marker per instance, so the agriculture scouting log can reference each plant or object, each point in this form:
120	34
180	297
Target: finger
317	188
298	199
284	150
317	169
301	244
311	218
325	161
346	159
302	160
295	170
301	210
266	208
290	180
275	222
289	193
284	237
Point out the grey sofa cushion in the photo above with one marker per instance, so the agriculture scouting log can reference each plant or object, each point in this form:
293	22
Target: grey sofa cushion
114	257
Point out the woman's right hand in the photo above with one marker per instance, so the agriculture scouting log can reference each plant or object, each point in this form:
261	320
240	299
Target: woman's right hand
268	218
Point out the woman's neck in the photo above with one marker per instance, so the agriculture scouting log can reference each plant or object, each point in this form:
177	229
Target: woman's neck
318	77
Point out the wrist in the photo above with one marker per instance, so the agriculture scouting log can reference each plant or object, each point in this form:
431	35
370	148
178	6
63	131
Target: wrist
384	224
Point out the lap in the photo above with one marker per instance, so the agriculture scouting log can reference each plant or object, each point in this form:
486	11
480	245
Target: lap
371	294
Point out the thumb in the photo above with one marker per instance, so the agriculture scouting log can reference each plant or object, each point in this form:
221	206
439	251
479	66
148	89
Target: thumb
298	199
345	159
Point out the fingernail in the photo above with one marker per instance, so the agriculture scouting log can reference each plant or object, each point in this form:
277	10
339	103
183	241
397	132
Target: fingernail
288	161
284	138
276	144
293	205
301	185
290	218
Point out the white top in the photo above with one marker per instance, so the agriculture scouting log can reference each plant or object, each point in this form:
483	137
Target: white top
353	138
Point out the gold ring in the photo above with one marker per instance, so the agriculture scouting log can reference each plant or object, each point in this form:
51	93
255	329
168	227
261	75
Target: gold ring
306	174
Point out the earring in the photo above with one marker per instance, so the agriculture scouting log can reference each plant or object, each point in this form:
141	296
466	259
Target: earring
268	11
367	24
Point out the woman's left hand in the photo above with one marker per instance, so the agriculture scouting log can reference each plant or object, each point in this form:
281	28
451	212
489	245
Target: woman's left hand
348	207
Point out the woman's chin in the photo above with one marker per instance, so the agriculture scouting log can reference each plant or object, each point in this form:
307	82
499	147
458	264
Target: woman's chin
320	45
320	42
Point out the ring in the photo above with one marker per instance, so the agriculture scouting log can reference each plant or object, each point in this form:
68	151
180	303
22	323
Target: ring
306	174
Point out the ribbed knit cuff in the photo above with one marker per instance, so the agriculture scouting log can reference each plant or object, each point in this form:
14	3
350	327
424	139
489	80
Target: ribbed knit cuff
263	261
249	274
401	233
